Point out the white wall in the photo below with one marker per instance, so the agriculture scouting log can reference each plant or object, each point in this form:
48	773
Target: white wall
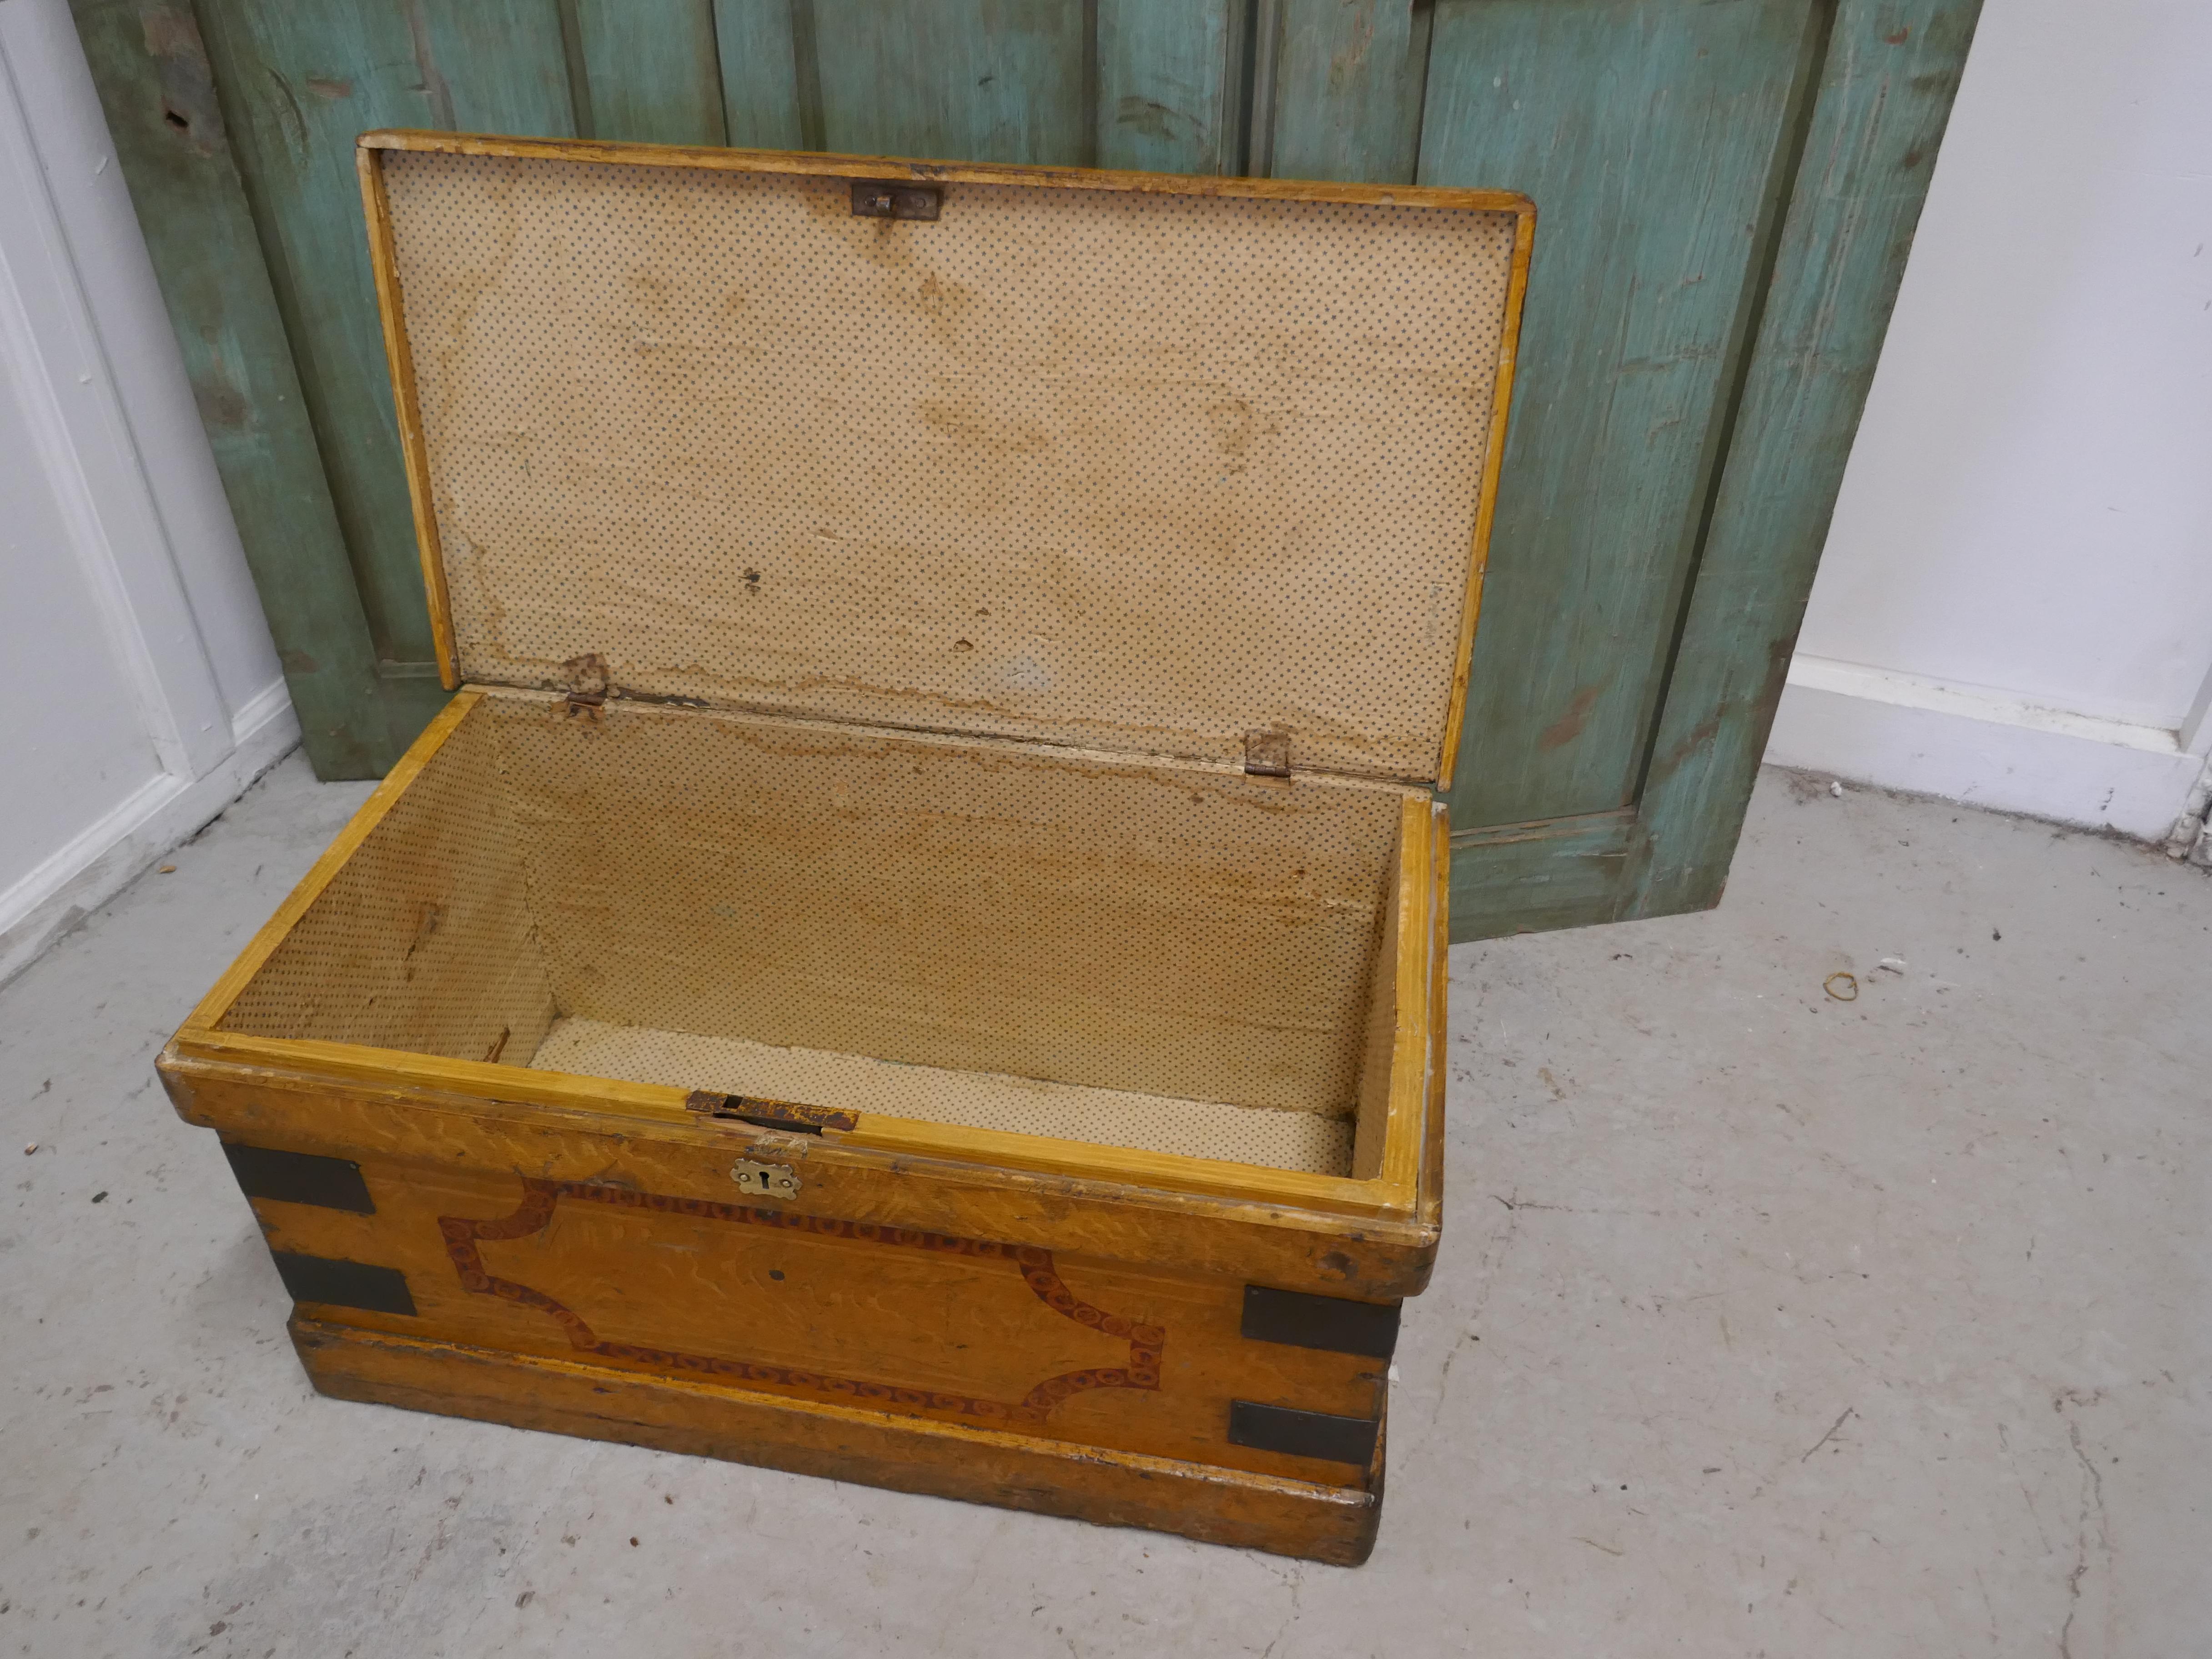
2014	607
144	692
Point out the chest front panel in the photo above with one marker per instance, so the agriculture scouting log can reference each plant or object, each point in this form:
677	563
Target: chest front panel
770	1298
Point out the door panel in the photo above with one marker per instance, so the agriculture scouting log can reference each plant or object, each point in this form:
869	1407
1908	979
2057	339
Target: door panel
1119	83
159	94
295	87
1885	80
766	50
1167	100
1726	190
1347	90
1000	78
649	72
1649	132
1677	439
298	83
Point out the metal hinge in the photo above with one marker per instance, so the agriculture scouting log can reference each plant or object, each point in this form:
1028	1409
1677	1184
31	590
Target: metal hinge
1268	751
588	683
882	199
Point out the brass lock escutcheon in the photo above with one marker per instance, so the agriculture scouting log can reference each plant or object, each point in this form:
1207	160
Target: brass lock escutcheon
765	1180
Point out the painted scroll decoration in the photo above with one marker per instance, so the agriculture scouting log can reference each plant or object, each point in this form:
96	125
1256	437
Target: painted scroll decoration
539	1197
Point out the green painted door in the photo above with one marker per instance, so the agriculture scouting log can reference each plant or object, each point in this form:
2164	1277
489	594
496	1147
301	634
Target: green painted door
1726	191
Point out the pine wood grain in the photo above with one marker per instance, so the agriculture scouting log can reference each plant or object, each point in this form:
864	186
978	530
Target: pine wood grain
362	1103
1393	1083
1397	1166
1372	1116
1485	513
782	1298
1430	1201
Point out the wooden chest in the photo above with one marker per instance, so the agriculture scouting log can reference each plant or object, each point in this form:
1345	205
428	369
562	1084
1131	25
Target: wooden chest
916	953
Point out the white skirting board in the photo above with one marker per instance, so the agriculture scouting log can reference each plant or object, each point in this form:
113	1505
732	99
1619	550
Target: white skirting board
1984	748
165	811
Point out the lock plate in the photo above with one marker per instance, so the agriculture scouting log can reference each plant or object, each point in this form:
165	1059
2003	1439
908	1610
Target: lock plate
765	1180
880	199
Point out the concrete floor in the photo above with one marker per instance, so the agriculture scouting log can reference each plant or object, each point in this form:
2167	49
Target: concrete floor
1764	1323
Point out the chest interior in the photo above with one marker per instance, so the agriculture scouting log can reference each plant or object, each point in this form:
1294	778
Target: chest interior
986	669
1168	957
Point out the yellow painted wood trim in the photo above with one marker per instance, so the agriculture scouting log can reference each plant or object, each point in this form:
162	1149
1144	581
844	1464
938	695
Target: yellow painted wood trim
663	1103
1486	509
1409	1058
383	261
356	1062
214	1005
1210	1177
1432	1131
964	173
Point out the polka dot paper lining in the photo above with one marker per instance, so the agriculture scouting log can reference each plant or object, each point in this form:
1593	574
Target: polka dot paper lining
1160	929
1124	471
424	940
1159	954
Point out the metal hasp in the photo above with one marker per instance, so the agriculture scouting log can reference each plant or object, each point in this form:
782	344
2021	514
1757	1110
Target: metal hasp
770	1114
874	200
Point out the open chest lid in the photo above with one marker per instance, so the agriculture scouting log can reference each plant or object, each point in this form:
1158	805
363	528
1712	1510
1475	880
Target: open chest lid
1186	466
